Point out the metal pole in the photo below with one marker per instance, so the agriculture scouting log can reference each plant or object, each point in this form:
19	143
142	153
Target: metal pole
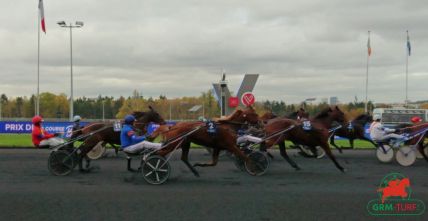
203	110
407	68
103	109
71	74
170	111
367	80
37	107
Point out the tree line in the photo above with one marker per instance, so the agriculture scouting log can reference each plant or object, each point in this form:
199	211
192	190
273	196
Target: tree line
56	106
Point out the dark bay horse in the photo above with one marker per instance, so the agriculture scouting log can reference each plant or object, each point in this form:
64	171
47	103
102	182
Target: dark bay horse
106	133
353	130
317	136
223	139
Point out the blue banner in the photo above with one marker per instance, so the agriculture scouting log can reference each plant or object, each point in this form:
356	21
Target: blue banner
14	127
64	128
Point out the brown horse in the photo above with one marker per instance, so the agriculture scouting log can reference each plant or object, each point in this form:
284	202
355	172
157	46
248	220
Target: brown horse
353	130
223	139
105	132
317	136
337	117
414	129
296	115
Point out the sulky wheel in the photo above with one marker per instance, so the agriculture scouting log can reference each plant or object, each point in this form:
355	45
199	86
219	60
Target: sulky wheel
405	156
385	157
258	164
61	163
426	150
156	169
239	163
97	151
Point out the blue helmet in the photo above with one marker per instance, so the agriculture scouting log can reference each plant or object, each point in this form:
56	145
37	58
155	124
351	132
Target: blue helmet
129	119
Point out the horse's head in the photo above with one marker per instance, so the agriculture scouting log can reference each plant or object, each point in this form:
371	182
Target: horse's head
247	115
302	114
299	114
267	116
149	116
337	115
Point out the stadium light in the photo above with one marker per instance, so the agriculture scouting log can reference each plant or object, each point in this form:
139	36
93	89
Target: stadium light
78	24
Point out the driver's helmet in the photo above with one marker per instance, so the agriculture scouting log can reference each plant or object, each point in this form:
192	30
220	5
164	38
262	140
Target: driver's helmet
76	118
416	119
129	119
37	119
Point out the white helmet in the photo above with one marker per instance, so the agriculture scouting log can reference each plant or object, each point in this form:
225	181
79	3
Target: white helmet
76	118
377	117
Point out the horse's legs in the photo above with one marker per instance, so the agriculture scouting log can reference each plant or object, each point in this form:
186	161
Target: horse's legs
371	141
185	147
84	149
331	156
332	143
285	155
214	161
351	141
264	149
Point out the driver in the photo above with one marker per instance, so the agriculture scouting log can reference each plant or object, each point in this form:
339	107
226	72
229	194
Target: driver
380	133
76	123
130	142
41	138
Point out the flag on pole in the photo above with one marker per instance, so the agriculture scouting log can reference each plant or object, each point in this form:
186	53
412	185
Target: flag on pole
42	16
369	49
408	44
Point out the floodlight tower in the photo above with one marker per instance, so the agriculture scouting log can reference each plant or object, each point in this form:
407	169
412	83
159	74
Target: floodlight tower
78	24
223	85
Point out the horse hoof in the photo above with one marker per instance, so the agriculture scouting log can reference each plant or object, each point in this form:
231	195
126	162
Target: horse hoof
343	170
297	168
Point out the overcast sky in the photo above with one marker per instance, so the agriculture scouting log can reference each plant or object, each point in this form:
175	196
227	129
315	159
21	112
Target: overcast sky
301	49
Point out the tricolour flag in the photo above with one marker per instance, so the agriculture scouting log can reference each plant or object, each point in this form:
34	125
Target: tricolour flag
409	48
369	48
42	16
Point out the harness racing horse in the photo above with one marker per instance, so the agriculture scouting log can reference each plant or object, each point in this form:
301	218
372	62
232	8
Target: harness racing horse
352	131
224	137
110	136
317	135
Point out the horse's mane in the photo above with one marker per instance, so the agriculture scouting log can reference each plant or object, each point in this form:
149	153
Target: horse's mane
138	114
362	118
323	114
292	115
230	117
268	115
